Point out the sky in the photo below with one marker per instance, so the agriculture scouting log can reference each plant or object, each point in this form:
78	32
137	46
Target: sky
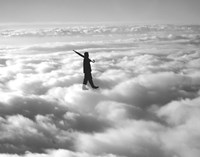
92	11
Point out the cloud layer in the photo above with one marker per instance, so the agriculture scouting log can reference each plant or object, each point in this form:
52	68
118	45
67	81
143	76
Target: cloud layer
147	104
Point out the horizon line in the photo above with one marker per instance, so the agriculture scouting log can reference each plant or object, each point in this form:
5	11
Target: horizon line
93	23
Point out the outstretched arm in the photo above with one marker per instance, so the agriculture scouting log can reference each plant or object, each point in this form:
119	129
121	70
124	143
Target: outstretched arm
78	53
93	61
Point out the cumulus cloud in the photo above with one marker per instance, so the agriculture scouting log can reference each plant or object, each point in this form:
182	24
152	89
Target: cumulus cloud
135	138
61	153
147	104
78	30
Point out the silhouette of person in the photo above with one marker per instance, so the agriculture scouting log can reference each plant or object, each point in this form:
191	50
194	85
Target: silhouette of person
87	70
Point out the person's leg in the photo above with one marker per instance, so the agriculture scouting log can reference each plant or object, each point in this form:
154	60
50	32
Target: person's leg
85	80
91	81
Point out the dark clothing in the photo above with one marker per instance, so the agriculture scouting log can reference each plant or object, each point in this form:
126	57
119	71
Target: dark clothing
86	65
87	71
88	77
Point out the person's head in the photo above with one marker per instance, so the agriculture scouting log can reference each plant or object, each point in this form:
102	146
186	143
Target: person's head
86	55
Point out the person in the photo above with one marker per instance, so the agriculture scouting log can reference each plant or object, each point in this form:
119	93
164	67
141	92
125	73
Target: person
87	70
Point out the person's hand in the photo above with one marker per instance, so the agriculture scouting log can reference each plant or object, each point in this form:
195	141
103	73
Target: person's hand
93	61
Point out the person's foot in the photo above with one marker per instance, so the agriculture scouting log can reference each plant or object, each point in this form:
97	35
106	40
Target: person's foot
95	87
84	87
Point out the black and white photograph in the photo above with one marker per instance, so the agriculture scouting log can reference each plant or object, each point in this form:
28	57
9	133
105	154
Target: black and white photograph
99	78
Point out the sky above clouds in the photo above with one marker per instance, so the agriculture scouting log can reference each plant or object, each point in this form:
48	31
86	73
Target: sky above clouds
135	11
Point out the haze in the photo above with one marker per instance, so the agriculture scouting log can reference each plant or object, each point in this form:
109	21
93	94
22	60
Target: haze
120	11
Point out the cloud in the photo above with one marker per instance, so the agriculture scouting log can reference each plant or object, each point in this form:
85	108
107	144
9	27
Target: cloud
74	31
147	104
177	135
135	138
115	112
150	89
61	153
182	118
20	134
180	112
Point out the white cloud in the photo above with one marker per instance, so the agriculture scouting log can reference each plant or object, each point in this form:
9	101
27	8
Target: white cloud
116	112
134	138
60	153
180	112
182	118
147	104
